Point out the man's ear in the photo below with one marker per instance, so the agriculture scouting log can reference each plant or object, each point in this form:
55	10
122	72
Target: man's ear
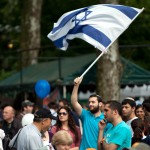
24	108
42	121
115	111
100	104
133	109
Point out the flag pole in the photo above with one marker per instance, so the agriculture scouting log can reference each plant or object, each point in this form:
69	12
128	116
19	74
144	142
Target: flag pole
92	64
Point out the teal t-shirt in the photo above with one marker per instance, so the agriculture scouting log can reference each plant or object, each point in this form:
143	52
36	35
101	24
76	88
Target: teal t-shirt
119	135
90	129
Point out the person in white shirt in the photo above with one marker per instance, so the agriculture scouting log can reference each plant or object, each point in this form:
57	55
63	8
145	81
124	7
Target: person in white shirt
53	106
128	111
2	135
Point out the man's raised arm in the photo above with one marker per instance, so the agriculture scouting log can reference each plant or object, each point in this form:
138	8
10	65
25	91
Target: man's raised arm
74	97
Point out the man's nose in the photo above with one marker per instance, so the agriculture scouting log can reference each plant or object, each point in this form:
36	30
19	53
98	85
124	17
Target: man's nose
90	104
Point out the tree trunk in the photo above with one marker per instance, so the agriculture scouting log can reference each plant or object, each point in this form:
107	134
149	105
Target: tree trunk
30	31
109	73
109	70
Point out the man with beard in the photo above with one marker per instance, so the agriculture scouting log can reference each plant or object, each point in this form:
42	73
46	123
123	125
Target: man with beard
118	136
89	118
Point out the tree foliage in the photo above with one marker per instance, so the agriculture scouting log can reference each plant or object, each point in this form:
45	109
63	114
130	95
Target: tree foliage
138	35
10	12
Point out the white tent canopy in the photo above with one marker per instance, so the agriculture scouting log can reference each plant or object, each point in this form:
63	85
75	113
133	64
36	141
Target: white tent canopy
136	91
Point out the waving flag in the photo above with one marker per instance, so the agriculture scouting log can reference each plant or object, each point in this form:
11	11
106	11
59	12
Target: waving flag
99	25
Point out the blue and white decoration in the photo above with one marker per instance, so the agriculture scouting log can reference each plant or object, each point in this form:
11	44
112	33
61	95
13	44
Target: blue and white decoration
100	25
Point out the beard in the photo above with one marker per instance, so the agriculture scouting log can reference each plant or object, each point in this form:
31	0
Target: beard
95	110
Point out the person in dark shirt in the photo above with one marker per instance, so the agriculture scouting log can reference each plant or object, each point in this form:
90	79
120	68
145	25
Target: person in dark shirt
10	125
147	130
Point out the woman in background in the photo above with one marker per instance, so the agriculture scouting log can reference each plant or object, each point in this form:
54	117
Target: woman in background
139	111
66	123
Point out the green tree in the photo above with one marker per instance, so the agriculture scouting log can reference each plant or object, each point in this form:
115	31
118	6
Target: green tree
137	35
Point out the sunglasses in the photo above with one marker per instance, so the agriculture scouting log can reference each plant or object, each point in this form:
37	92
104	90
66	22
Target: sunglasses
63	113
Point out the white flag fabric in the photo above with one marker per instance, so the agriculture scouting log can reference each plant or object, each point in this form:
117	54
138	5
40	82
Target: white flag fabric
100	25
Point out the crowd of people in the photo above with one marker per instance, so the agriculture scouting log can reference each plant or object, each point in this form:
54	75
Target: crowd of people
103	125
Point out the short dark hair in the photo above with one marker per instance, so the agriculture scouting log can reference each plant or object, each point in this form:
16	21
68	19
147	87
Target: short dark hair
139	106
115	105
53	105
137	123
131	102
137	127
146	105
98	97
37	120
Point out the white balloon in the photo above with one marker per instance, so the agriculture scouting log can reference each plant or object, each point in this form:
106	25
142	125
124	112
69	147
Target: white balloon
27	119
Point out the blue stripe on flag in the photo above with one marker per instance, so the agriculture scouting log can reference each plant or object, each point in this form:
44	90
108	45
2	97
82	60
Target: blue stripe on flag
67	18
59	42
92	32
128	11
88	30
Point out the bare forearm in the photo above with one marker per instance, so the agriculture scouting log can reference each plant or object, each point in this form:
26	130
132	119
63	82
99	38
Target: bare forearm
100	139
74	96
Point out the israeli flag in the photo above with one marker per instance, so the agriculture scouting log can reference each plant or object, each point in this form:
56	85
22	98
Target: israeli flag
100	25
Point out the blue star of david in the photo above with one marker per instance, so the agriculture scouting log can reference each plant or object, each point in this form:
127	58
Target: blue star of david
77	21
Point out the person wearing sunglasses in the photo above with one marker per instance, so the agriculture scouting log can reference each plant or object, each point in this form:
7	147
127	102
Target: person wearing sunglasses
66	122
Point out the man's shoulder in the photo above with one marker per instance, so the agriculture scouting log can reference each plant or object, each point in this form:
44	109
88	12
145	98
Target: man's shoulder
86	113
129	121
20	115
123	126
30	130
16	123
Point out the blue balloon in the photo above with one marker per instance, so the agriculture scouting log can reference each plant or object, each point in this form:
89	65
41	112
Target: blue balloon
42	88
